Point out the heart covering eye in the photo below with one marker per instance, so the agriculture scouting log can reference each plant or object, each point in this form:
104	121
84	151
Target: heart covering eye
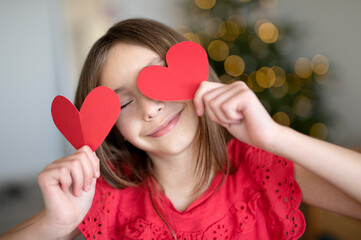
92	123
187	67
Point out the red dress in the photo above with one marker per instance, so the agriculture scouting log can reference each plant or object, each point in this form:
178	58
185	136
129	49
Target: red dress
259	200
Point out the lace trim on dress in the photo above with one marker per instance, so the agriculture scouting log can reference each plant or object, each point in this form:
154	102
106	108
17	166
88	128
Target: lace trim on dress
275	175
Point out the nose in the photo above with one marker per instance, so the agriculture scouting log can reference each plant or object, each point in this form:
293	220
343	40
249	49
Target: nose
151	108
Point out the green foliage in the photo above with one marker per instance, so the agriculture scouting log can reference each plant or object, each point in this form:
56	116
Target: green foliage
290	90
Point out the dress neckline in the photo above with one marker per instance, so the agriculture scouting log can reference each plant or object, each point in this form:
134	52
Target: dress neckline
157	190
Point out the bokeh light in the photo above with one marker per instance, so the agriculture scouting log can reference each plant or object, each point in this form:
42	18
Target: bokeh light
280	76
228	30
279	92
258	24
303	67
192	37
240	21
319	130
268	3
267	32
265	77
320	64
282	118
302	106
205	4
225	78
252	83
212	27
218	50
246	42
234	65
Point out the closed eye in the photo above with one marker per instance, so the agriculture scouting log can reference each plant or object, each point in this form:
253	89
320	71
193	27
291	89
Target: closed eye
126	104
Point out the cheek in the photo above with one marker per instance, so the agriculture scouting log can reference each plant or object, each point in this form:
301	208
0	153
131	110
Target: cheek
127	128
191	120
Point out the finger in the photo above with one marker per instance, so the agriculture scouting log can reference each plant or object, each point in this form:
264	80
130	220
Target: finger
92	158
239	96
80	165
198	96
94	161
78	161
211	115
90	165
231	106
65	180
54	177
87	169
217	99
76	172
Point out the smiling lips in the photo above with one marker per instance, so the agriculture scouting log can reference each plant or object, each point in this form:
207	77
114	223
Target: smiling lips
166	127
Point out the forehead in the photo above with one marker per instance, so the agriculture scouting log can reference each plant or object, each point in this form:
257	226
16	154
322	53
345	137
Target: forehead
124	62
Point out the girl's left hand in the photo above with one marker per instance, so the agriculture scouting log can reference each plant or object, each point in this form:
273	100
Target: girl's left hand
238	109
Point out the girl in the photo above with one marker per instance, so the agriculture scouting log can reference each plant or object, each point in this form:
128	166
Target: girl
169	171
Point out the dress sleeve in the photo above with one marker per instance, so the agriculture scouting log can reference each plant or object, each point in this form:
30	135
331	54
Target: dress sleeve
274	175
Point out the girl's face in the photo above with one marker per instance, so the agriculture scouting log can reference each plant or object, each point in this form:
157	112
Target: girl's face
157	127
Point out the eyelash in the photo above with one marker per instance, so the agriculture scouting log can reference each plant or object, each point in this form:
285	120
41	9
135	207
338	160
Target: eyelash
124	105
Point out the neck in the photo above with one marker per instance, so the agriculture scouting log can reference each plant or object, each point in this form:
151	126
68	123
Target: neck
175	174
175	171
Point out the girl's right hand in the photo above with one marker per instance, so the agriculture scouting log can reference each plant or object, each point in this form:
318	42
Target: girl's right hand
68	187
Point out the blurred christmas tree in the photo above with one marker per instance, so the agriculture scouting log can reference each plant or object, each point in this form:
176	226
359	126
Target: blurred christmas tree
244	44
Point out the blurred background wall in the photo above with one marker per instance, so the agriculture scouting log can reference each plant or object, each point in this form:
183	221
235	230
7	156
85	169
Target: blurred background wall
43	45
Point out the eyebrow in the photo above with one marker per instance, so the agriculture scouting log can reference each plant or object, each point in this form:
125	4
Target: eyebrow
154	61
119	90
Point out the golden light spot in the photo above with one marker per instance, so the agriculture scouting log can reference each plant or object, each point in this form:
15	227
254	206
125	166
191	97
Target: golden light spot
240	21
319	130
205	4
265	77
225	78
282	118
320	64
303	67
258	24
302	106
218	50
182	28
268	32
252	83
192	37
228	30
279	92
212	27
234	65
268	3
280	76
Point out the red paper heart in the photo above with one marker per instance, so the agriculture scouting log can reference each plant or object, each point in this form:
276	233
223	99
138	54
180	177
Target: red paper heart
92	124
187	67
